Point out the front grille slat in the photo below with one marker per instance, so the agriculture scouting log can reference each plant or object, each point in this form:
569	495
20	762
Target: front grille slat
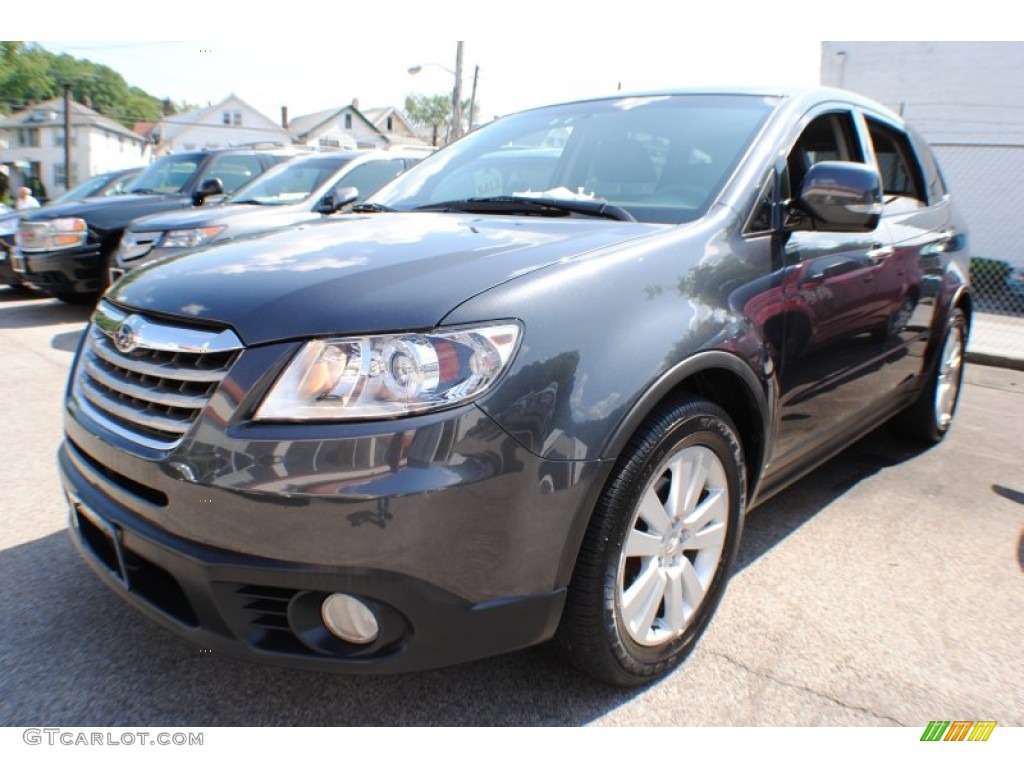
154	394
126	412
137	379
102	348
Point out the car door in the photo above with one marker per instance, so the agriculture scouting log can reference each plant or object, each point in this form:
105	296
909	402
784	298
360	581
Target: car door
833	348
919	218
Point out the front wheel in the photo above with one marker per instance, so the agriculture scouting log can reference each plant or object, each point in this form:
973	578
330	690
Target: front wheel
659	548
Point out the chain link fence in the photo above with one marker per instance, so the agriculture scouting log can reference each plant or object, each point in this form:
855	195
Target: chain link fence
984	180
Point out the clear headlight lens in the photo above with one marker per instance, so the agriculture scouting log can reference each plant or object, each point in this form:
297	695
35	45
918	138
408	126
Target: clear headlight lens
368	377
189	238
52	235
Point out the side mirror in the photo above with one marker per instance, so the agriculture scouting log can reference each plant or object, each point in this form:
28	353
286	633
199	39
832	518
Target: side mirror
207	189
336	199
838	197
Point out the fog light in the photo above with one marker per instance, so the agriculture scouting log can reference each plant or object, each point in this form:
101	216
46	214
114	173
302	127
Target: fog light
350	619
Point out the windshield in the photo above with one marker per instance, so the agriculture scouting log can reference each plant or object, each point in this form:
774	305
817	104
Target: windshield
662	159
290	182
168	175
87	188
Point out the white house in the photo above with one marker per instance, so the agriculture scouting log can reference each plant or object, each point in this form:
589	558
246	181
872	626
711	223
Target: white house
338	128
967	100
395	127
33	145
230	122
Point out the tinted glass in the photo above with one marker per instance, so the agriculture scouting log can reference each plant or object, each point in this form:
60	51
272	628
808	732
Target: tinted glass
168	174
290	183
901	174
233	170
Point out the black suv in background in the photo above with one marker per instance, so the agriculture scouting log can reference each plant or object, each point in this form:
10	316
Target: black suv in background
66	250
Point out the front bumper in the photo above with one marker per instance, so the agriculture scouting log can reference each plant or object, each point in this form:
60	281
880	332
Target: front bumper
75	270
460	548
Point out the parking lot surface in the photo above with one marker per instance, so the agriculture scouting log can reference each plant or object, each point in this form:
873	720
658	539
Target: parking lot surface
887	588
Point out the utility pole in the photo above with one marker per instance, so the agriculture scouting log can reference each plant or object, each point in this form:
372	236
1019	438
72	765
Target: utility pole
472	99
67	136
457	95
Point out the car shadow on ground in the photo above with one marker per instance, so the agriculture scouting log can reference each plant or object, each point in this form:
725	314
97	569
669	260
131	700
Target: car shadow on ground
73	653
29	310
67	341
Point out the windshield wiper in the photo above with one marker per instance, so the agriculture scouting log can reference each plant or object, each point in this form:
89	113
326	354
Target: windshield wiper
371	208
250	201
538	206
143	191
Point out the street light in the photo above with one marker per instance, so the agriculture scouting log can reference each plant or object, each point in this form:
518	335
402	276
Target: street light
456	92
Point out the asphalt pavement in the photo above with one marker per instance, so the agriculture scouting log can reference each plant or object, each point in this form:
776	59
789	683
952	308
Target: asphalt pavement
887	588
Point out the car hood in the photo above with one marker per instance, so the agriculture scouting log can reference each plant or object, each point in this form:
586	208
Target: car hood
114	212
210	216
359	274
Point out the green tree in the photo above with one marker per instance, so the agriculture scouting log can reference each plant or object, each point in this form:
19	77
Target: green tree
434	113
429	112
29	73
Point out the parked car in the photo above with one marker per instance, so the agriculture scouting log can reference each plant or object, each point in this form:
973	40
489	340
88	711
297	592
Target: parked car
495	406
101	185
299	191
8	228
67	250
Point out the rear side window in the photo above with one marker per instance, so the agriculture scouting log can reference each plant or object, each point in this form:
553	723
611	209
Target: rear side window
930	166
897	163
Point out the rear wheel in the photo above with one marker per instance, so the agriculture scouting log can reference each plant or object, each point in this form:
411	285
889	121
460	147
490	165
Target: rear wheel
659	548
930	416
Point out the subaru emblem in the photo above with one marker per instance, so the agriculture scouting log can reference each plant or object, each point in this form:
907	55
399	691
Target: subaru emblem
125	338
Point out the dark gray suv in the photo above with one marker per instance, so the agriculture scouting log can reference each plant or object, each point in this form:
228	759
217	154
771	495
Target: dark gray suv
526	391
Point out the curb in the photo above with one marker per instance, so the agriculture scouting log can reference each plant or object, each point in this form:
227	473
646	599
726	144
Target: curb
999	361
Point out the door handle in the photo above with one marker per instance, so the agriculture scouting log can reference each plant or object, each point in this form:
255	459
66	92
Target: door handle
880	253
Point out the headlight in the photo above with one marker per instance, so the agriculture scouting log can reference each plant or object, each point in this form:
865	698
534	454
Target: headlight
52	235
368	377
189	238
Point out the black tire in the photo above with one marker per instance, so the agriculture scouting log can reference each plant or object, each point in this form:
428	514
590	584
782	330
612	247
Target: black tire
603	631
930	416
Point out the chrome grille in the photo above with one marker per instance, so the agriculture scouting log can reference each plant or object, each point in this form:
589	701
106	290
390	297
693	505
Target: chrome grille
148	380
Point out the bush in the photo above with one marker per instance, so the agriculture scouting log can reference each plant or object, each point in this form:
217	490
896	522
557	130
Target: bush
989	275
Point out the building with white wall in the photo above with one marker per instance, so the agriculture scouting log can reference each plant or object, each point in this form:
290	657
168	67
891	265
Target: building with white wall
229	123
33	145
967	100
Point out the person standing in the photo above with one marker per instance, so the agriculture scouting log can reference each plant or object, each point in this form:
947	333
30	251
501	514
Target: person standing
25	199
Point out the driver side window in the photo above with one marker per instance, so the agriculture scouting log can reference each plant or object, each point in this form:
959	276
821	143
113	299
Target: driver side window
828	137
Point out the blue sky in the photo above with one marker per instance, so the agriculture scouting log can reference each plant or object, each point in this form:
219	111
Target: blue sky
316	57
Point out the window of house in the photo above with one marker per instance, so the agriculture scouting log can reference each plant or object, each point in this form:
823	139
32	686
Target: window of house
28	137
348	122
897	164
329	142
60	175
391	124
226	118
